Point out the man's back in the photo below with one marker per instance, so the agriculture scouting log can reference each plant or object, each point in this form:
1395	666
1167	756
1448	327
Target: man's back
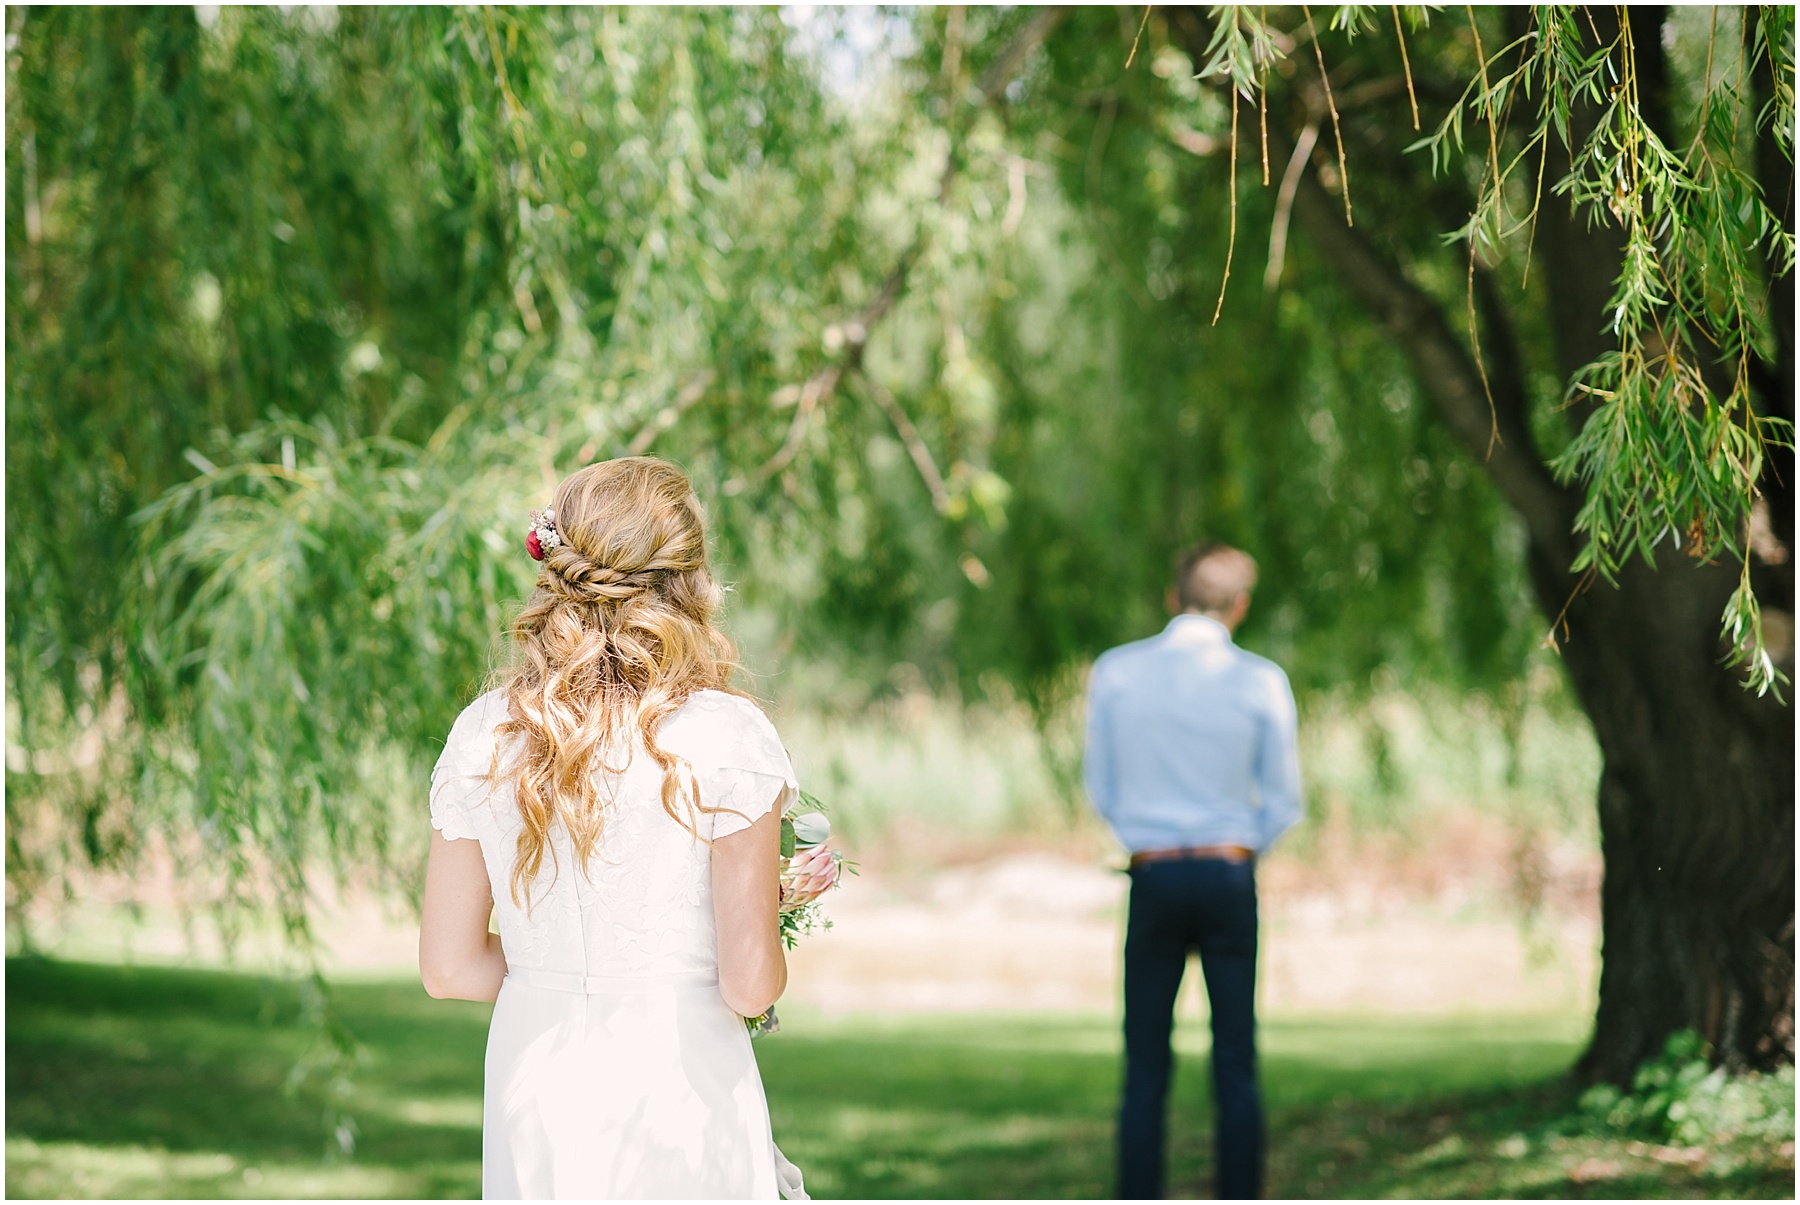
1190	758
1191	741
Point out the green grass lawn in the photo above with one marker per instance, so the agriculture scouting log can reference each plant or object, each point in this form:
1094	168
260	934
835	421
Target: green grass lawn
126	1082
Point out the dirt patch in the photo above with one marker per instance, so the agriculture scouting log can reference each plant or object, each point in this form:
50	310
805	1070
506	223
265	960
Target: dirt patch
1038	931
1444	920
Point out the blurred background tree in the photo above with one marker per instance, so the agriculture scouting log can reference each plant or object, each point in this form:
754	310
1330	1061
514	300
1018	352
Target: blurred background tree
307	308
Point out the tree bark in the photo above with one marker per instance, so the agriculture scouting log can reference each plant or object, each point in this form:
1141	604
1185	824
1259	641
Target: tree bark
1696	822
1696	794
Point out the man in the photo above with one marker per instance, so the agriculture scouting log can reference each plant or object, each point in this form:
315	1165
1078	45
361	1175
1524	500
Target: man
1191	761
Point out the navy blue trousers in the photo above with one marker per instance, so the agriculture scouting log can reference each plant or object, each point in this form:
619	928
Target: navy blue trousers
1208	905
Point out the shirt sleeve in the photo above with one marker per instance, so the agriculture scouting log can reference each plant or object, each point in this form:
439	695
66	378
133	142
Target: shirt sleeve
459	781
1278	762
1097	756
740	766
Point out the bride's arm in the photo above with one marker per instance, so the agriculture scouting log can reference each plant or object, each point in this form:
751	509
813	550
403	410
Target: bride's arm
458	958
746	876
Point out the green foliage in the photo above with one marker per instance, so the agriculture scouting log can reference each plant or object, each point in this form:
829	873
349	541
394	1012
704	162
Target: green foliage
1358	504
1672	437
1669	453
1242	48
1681	1097
307	311
1674	447
322	598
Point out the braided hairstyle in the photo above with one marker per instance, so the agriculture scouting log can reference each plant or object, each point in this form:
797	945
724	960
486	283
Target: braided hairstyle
616	636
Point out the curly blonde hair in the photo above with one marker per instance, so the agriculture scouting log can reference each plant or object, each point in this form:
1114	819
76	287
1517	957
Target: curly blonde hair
616	636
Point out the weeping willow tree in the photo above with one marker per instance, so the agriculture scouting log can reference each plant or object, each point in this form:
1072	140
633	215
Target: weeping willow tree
306	312
1616	188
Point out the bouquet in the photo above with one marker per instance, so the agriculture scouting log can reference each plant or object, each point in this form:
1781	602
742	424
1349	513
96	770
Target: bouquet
802	837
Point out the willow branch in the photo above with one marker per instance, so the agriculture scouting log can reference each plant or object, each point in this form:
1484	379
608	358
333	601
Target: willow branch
1449	378
1406	66
823	384
915	443
1284	204
818	386
1000	71
667	416
1190	140
1337	129
1231	241
1132	57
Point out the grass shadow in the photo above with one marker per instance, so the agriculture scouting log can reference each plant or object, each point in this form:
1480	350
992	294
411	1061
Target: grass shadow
136	1082
176	1063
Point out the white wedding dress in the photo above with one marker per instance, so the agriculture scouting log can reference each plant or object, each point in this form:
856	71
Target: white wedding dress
614	1067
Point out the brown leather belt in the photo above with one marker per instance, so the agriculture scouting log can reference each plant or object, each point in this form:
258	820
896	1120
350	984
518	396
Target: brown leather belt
1188	853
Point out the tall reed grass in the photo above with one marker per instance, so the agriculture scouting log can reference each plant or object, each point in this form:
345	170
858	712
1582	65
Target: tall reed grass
1389	762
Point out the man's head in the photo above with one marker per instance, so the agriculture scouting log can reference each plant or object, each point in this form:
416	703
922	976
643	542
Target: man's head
1214	580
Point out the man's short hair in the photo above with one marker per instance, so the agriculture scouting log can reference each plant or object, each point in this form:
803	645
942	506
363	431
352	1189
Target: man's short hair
1211	576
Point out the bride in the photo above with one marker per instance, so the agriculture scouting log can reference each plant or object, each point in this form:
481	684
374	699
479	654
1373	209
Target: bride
616	807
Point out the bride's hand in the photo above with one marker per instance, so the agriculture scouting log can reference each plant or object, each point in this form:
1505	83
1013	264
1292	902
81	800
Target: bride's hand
810	874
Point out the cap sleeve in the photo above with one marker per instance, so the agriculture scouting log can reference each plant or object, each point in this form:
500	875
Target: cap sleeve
459	781
738	759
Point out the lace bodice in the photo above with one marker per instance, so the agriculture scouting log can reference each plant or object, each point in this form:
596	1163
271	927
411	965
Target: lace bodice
644	905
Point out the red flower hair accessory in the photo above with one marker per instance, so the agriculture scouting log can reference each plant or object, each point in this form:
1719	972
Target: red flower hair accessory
542	536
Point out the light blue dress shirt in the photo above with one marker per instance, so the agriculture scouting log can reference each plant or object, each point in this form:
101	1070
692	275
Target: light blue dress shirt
1191	741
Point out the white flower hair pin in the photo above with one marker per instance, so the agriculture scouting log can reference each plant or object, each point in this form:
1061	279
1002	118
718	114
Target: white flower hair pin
542	536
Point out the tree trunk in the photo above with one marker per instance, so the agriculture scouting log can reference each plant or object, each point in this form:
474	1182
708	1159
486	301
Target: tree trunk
1696	821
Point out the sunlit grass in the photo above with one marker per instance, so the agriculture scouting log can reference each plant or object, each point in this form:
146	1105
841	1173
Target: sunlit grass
1022	1106
144	1082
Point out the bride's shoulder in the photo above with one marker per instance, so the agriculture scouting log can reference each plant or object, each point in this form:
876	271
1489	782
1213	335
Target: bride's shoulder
722	707
710	715
476	723
485	707
718	730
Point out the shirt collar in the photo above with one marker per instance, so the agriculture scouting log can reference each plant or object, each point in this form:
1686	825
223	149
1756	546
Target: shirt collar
1197	629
